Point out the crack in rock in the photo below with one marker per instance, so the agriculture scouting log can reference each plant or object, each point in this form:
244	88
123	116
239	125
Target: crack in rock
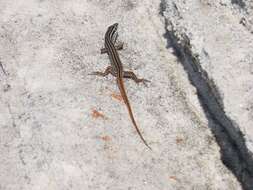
240	3
234	152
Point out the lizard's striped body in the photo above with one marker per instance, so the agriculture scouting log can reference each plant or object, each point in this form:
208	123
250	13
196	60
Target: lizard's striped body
116	69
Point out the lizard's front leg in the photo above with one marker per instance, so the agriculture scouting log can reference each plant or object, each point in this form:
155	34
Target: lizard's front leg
118	47
130	74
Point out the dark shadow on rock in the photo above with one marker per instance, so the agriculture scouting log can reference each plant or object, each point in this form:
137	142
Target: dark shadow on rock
234	152
240	3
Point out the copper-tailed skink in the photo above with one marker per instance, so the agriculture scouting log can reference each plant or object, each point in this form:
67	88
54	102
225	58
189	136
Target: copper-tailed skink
116	69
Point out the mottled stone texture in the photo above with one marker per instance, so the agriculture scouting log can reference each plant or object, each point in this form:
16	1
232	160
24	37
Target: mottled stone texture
61	128
214	43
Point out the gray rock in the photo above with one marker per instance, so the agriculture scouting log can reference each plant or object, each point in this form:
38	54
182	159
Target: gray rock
214	44
61	128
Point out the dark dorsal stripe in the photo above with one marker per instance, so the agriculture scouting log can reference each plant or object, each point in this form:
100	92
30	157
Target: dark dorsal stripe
111	35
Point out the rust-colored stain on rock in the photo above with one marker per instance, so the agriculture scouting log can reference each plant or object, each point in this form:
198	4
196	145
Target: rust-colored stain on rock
173	178
106	138
96	114
179	140
117	97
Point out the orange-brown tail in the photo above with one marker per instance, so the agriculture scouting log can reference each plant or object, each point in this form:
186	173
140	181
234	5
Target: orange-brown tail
124	96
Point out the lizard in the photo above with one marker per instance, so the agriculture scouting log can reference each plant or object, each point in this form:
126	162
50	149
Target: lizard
116	69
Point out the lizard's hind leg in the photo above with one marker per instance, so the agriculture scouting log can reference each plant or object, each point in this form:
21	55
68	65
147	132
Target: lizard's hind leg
131	75
107	71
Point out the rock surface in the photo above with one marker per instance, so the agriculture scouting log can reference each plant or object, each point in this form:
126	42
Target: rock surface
61	128
214	42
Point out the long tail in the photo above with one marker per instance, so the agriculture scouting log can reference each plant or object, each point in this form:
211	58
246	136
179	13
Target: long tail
124	96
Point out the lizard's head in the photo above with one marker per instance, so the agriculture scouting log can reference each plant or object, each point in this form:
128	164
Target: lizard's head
114	26
112	32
